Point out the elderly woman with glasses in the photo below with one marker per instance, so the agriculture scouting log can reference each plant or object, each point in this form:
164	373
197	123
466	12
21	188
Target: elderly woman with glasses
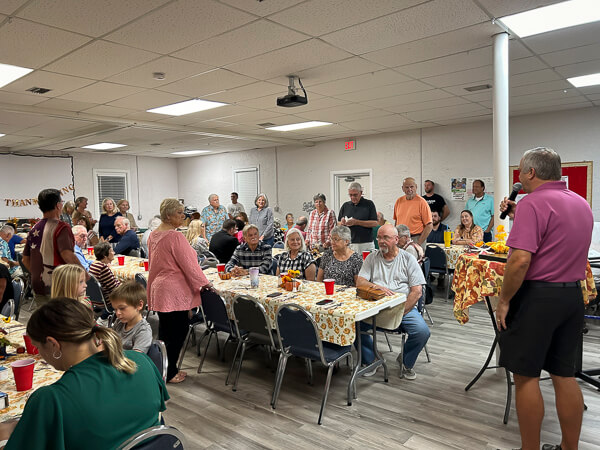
295	256
262	216
340	263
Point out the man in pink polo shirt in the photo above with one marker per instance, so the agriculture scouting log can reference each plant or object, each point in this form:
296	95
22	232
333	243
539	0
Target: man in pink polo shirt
540	312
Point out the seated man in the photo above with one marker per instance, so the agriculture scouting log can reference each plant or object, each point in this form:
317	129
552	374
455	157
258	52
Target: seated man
252	253
395	271
129	240
80	234
14	240
6	233
407	244
223	243
437	233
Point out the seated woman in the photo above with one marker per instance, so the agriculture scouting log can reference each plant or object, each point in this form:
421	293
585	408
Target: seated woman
69	280
295	256
241	220
253	253
100	268
467	233
100	380
340	263
196	237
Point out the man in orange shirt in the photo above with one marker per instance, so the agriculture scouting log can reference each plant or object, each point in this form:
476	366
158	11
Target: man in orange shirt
413	211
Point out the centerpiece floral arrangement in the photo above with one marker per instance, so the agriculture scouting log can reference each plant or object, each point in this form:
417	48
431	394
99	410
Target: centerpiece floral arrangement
289	281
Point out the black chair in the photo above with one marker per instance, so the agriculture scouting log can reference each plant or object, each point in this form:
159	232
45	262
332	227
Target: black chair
439	265
13	305
427	297
94	293
214	312
299	336
141	279
156	438
158	354
197	319
252	326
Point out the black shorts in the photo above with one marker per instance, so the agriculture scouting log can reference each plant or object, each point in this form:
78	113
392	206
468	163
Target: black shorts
544	326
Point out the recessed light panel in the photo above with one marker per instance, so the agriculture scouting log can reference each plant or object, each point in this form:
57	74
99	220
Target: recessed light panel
585	80
9	73
187	107
553	17
190	152
104	146
299	126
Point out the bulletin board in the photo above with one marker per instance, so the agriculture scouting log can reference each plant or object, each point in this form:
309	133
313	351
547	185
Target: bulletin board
579	176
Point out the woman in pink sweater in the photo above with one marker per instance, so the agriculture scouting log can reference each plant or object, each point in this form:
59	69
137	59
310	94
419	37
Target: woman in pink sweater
174	282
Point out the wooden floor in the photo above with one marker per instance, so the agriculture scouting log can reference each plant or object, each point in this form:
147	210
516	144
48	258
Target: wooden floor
433	412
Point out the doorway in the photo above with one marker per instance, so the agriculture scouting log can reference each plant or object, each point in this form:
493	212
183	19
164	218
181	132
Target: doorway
340	179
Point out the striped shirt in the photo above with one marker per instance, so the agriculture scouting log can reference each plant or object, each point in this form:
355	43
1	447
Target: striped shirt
105	277
300	263
246	258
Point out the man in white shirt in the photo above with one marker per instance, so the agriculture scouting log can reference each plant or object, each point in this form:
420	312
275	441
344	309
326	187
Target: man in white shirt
234	208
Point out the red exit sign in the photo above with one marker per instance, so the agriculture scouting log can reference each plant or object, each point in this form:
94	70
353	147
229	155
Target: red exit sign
350	145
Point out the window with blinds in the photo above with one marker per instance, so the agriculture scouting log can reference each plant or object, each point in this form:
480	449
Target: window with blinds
246	184
113	184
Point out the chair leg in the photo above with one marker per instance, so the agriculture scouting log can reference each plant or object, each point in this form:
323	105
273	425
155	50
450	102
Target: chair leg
184	348
428	316
233	362
309	371
508	396
205	350
239	369
427	354
351	386
324	400
387	338
279	378
401	352
199	343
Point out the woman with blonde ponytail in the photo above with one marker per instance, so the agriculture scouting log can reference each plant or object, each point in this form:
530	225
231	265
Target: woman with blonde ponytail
123	389
69	280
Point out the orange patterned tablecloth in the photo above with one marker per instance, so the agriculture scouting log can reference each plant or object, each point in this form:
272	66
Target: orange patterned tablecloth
44	374
475	279
127	271
453	253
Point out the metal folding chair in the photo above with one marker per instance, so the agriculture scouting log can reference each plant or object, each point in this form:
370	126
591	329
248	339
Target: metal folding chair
158	354
156	438
439	264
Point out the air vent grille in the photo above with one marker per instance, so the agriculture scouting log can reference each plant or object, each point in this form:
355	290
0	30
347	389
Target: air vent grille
38	90
266	124
480	87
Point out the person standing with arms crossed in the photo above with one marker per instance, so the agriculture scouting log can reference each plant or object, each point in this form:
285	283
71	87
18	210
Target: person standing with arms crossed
540	310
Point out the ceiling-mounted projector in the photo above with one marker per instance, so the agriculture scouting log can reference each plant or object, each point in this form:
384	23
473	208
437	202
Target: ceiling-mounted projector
292	99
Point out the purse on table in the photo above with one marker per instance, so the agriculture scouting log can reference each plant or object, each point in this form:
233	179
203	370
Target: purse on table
370	293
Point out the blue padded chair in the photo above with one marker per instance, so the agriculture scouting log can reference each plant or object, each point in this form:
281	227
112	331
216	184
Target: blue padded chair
278	245
215	314
156	438
158	354
438	264
299	336
19	294
141	279
94	293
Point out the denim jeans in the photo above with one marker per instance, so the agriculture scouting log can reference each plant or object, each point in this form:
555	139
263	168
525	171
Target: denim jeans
418	335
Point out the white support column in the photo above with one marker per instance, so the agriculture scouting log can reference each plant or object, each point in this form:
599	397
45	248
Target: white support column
500	121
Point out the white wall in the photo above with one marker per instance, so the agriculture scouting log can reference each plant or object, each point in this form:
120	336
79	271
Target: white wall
451	151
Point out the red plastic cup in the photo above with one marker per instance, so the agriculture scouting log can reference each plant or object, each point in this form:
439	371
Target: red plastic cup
146	266
329	286
23	372
31	349
221	268
90	250
366	253
121	260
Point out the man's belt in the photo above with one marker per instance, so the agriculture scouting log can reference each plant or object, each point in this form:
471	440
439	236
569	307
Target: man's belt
550	284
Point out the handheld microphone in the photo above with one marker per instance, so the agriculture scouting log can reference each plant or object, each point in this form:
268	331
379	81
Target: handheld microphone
513	195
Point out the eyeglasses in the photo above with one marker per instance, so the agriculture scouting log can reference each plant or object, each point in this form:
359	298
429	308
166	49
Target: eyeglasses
385	238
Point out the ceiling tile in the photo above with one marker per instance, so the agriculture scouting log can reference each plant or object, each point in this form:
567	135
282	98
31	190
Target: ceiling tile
173	68
334	71
377	122
547	104
245	42
147	100
540	87
545	96
100	59
101	92
58	83
448	112
360	82
289	60
342	113
109	111
539	76
248	92
32	45
526	65
396	100
464	120
563	39
422	21
262	8
448	64
572	55
180	24
55	127
22	120
66	105
583	68
507	7
385	91
20	99
461	77
546	109
88	16
433	104
460	89
10	6
319	17
207	83
229	113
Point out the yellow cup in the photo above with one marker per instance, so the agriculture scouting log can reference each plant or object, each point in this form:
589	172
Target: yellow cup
447	238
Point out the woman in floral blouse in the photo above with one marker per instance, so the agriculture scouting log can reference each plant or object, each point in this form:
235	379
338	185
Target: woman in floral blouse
467	233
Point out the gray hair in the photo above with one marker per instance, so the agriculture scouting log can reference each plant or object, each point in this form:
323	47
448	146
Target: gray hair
302	220
154	223
8	230
287	236
355	186
545	161
319	196
343	232
403	230
249	227
79	229
125	221
259	196
211	196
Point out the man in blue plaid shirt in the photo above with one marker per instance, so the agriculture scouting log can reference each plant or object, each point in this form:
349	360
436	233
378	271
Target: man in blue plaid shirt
252	253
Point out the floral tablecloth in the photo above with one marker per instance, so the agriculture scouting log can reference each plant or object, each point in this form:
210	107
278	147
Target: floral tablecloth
335	320
475	279
127	271
44	374
452	253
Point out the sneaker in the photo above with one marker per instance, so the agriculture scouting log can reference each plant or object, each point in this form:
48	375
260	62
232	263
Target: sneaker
102	322
371	372
408	374
551	447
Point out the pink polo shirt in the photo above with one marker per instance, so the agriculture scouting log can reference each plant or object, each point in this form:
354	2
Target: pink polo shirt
555	225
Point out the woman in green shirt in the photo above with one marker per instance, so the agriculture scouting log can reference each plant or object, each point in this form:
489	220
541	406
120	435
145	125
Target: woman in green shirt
105	395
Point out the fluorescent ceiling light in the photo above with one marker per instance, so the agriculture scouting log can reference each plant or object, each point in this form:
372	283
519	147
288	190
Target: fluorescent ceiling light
9	73
104	146
585	80
191	152
2	135
187	107
553	17
299	126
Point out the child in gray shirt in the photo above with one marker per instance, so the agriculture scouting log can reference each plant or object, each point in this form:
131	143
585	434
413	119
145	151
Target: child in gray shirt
128	301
